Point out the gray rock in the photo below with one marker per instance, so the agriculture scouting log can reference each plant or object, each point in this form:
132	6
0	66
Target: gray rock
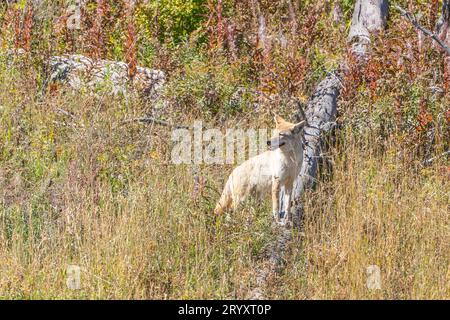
81	72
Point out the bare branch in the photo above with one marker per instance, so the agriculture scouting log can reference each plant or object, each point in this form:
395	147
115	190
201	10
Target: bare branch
427	32
429	161
67	113
154	120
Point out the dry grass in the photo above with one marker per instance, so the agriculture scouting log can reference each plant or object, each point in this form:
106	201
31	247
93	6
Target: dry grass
84	190
379	211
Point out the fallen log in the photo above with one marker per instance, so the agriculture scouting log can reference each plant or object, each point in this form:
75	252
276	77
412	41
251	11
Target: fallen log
369	16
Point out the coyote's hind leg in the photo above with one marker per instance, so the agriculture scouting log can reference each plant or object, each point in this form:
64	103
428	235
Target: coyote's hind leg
276	198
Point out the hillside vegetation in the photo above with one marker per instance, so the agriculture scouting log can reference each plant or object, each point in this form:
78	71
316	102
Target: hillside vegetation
78	186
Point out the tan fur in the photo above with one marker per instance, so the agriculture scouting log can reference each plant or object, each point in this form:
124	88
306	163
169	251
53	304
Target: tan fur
267	172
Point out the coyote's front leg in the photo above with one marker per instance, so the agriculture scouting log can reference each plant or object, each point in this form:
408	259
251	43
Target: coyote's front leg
276	198
287	204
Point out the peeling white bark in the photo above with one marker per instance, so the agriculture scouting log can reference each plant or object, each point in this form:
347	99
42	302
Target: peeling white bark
321	115
369	16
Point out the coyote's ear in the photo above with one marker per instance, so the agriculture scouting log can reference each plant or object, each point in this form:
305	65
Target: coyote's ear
278	119
299	126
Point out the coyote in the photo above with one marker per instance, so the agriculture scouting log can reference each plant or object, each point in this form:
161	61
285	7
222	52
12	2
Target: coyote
268	172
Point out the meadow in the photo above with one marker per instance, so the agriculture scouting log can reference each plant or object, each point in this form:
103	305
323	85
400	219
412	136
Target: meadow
81	186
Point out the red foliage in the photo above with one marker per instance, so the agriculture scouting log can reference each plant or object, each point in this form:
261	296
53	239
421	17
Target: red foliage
98	49
285	77
17	28
434	9
28	28
446	75
309	23
216	25
130	45
220	24
372	73
447	116
22	23
424	117
352	78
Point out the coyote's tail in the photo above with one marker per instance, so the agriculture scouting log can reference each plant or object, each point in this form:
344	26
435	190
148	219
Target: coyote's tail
225	199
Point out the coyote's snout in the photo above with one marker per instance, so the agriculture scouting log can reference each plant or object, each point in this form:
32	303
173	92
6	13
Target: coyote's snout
268	172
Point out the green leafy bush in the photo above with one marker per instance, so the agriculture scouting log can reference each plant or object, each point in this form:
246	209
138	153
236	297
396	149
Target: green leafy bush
174	19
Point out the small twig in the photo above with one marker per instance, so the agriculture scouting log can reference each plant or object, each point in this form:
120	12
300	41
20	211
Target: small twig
427	32
429	161
67	113
154	120
436	89
75	124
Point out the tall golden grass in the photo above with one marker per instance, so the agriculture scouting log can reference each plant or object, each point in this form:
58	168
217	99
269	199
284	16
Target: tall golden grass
85	190
377	210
